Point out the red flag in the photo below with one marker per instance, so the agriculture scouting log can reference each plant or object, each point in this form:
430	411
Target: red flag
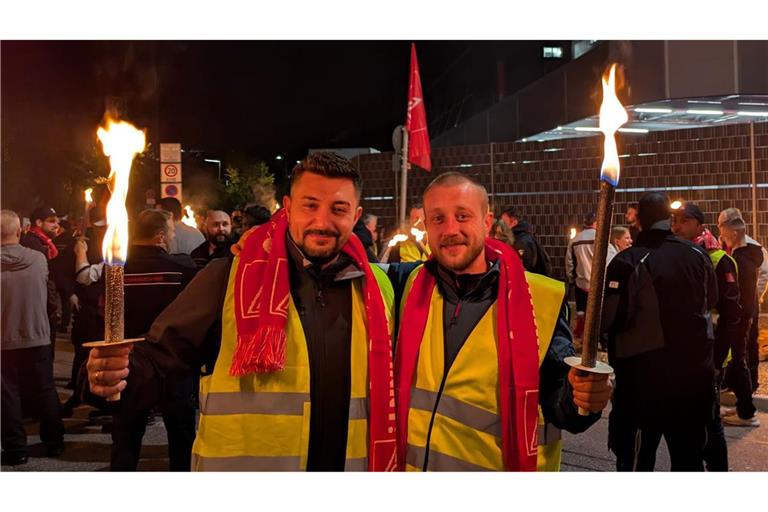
416	124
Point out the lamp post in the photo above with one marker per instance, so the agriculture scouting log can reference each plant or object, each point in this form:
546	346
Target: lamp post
217	162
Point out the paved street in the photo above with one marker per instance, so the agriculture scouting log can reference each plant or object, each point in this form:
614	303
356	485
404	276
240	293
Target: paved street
87	447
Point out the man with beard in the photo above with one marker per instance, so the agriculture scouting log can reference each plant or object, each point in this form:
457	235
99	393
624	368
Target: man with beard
217	230
474	392
294	334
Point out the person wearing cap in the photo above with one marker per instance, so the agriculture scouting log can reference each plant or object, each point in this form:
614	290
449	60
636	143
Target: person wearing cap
44	228
658	297
753	349
578	268
748	259
689	224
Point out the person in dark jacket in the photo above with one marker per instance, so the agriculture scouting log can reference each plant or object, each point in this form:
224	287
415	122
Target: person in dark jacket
27	367
153	279
658	298
365	236
255	215
218	238
748	260
688	224
535	258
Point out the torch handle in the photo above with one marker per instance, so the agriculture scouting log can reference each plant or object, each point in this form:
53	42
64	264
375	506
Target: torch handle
116	398
597	277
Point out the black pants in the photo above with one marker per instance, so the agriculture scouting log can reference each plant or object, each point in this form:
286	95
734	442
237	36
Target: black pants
178	408
31	370
753	350
737	374
635	448
716	449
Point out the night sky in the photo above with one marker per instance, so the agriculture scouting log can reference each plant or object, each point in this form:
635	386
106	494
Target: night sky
235	99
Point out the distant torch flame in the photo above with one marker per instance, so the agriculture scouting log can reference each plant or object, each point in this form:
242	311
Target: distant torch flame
397	239
612	116
189	217
88	196
676	205
418	234
121	142
573	233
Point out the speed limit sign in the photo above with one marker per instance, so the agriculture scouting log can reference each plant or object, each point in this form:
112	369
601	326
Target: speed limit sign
170	172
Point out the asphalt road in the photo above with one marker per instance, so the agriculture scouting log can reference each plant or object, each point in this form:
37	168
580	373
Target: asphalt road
87	447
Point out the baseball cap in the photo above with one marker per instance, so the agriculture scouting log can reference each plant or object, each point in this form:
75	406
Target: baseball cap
691	210
42	213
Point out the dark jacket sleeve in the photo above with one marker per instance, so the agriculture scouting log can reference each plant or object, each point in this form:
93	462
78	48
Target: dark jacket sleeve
184	337
526	248
555	392
728	309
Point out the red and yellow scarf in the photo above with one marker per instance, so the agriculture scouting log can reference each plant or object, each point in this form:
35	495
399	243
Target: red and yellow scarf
517	352
262	294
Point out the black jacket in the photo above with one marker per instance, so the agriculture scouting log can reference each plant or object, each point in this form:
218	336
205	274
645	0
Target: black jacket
658	295
748	258
728	309
366	238
535	258
201	255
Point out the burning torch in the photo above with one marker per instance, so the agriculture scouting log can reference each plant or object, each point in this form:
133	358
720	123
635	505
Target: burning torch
121	142
189	217
612	116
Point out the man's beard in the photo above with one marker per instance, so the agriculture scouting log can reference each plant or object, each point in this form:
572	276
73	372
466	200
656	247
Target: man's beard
470	256
320	255
219	240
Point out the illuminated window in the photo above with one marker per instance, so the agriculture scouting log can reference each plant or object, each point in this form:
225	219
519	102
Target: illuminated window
553	52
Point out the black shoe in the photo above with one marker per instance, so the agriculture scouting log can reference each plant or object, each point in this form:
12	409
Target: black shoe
13	460
55	450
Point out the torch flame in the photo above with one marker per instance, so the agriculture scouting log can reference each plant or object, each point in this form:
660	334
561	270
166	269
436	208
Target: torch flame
612	116
573	233
121	142
397	239
418	234
189	217
88	196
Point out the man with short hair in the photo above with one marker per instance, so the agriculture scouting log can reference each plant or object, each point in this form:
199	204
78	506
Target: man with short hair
631	217
620	240
689	224
186	238
27	364
658	298
153	279
217	230
413	249
535	258
294	334
472	364
255	215
753	346
748	259
370	221
578	268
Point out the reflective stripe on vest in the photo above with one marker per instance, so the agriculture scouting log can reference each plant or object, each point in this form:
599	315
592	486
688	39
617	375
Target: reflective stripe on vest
261	422
465	434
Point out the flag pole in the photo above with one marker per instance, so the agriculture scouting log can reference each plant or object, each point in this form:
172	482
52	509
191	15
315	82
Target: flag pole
403	177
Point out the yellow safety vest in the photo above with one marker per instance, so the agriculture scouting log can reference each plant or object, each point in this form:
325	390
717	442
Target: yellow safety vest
260	422
410	252
465	434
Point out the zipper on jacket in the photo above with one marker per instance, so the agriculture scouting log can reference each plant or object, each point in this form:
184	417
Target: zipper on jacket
456	311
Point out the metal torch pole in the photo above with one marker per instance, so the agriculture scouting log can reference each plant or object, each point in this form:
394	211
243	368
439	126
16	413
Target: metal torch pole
403	177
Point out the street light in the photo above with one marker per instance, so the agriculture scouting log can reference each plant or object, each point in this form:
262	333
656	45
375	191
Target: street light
279	157
217	162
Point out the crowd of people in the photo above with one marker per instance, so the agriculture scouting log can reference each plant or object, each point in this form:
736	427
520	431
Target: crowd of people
302	347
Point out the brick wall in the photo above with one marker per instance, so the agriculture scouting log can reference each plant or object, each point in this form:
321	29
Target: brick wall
555	183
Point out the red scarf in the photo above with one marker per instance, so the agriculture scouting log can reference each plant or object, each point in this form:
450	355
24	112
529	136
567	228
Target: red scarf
707	240
517	351
39	233
262	294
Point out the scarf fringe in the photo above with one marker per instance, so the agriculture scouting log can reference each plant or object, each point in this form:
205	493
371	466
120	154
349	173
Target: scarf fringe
262	352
